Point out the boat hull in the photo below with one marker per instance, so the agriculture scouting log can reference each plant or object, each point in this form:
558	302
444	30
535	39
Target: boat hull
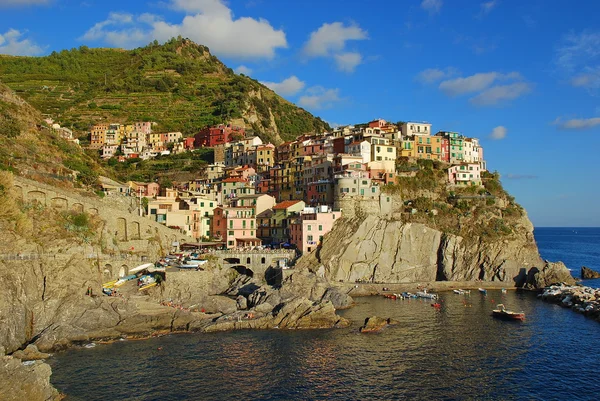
503	315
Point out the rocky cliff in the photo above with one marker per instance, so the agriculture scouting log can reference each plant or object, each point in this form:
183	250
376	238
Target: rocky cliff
377	245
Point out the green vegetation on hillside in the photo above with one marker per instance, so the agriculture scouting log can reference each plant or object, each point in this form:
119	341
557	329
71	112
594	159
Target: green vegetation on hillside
162	168
473	211
179	84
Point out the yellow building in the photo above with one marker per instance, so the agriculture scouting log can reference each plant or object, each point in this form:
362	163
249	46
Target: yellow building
428	147
407	148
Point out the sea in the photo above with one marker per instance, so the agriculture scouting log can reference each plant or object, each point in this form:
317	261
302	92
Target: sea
456	352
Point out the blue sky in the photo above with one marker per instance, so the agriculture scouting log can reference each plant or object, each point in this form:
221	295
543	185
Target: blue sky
524	77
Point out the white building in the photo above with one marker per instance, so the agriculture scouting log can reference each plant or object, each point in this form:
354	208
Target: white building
410	129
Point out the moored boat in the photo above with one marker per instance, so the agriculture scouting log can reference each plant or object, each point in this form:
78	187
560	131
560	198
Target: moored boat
407	295
483	291
425	294
502	313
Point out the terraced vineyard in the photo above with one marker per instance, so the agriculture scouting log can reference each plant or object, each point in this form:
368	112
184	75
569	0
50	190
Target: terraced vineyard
179	85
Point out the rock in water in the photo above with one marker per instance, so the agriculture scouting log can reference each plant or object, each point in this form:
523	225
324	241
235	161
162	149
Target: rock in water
587	273
375	324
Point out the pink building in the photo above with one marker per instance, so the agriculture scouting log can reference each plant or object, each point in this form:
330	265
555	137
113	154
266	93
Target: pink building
143	127
236	226
465	174
307	231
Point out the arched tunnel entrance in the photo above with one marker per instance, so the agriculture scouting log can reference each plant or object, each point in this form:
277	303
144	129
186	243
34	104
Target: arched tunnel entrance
233	260
243	270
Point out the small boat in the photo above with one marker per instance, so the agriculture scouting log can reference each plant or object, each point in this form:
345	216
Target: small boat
504	290
407	295
482	291
90	345
502	313
436	305
390	296
459	291
425	294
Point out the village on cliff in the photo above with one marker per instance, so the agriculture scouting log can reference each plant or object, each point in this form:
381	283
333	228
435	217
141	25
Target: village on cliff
258	194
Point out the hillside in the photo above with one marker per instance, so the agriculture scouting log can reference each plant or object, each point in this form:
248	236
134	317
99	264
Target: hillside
31	148
179	84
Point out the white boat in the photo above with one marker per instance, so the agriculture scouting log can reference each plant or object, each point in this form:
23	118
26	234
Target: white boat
482	291
459	291
425	294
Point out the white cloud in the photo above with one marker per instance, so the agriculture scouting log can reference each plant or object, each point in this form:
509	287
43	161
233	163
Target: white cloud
431	75
488	6
473	83
207	22
242	69
12	44
22	2
318	97
210	7
578	123
331	38
500	93
348	62
330	41
287	87
482	83
498	133
432	6
578	57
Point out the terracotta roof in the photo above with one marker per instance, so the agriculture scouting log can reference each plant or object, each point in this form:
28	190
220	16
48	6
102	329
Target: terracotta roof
285	204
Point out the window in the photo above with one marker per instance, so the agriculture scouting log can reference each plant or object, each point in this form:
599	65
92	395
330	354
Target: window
309	227
210	204
364	182
320	227
230	233
230	223
201	204
208	233
372	189
244	224
390	150
309	238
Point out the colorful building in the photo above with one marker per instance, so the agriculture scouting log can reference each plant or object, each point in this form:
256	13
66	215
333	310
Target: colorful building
308	229
465	174
283	214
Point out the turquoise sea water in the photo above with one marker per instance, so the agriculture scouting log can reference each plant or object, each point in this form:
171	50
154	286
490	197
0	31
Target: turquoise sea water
458	352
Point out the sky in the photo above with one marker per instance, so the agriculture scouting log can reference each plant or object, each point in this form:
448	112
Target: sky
522	76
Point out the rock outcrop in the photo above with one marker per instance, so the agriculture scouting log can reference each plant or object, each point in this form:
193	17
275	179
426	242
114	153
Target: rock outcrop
587	273
375	324
382	249
26	381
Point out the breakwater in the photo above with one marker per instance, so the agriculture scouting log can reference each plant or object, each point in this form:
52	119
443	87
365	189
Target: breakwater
581	299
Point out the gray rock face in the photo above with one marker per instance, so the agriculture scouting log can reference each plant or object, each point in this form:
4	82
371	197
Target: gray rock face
375	249
587	273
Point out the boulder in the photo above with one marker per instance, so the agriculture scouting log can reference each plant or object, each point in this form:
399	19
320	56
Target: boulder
339	299
375	324
30	353
242	302
587	273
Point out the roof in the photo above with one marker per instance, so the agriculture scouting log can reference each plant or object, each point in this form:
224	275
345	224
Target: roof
285	204
265	214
